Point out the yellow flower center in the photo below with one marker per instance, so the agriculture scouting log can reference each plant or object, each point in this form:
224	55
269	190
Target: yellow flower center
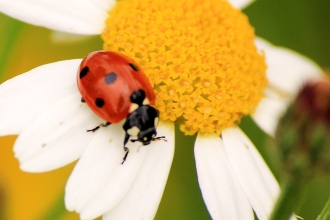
199	56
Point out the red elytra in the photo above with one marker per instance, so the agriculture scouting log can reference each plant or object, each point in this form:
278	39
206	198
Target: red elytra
106	80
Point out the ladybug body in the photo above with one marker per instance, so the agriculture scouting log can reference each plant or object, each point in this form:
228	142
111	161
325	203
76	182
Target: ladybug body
107	79
115	88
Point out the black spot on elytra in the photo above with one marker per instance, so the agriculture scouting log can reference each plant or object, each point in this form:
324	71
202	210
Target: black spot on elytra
82	100
133	66
99	102
110	78
83	72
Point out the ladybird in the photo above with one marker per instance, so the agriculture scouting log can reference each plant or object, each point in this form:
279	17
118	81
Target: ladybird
115	87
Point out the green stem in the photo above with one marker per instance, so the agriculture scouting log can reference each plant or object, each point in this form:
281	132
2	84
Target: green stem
288	200
325	214
9	35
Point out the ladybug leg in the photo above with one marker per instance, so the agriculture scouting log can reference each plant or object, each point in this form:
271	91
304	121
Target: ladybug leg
82	100
125	148
101	125
124	159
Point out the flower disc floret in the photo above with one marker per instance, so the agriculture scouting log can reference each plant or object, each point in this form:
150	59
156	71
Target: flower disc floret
199	56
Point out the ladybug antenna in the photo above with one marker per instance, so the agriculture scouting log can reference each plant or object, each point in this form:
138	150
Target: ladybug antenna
159	138
153	139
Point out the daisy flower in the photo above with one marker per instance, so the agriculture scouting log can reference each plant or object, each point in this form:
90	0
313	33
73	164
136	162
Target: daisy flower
208	71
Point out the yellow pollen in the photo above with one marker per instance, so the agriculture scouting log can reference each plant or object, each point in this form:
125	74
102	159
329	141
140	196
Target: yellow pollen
206	84
207	110
199	56
182	104
171	92
185	84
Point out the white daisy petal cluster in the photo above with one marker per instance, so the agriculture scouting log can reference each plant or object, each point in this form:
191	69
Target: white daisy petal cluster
52	134
287	72
79	17
43	107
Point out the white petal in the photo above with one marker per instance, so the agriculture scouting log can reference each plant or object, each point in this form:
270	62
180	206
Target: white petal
287	70
240	3
99	181
57	137
24	97
143	198
268	113
255	177
73	16
221	191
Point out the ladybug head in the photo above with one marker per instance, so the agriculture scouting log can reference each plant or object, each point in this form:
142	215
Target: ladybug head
141	124
146	136
145	140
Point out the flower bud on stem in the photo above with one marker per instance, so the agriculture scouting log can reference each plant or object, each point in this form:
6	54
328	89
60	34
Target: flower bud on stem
303	142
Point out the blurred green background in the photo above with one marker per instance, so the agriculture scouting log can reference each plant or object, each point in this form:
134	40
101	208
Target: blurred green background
302	25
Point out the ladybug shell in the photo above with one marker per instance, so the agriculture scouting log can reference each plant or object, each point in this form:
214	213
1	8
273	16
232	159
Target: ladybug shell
106	81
